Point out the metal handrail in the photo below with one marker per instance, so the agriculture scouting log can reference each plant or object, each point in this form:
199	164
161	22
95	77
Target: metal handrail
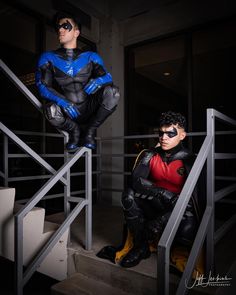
206	228
20	278
28	150
32	98
27	93
195	251
176	217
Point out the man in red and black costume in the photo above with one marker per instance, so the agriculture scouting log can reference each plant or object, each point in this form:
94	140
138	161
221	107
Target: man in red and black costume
157	180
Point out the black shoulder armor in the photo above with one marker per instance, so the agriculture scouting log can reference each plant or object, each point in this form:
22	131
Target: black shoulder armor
144	157
183	154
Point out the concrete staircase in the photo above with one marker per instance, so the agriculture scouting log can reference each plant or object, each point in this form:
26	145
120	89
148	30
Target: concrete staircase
91	275
36	231
81	272
96	276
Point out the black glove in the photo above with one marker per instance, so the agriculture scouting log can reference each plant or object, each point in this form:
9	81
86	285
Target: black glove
146	190
69	108
167	197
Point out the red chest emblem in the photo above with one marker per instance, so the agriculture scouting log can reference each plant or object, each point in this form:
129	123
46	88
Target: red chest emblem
169	176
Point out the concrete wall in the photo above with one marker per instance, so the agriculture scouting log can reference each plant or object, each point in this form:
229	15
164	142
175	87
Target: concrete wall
178	16
111	49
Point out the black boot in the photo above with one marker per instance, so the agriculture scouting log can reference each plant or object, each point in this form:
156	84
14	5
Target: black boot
74	135
89	139
97	120
135	255
140	250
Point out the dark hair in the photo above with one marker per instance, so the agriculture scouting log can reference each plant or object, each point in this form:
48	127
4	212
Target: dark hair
169	118
64	14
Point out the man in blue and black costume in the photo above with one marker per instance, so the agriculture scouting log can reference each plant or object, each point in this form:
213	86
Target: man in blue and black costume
77	86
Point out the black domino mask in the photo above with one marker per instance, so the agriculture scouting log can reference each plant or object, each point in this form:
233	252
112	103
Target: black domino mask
66	26
170	134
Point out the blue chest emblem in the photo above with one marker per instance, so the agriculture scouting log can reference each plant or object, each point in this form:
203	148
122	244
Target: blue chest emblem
70	67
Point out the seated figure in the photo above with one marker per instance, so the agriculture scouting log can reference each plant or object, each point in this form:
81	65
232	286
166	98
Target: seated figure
158	177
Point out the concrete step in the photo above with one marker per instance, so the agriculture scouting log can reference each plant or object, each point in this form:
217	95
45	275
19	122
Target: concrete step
79	284
127	280
7	199
139	280
36	232
93	273
96	272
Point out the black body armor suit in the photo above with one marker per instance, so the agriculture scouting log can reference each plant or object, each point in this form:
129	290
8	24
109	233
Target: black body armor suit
80	91
147	207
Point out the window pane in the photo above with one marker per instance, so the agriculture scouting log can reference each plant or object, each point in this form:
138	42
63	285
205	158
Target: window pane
214	71
17	29
157	83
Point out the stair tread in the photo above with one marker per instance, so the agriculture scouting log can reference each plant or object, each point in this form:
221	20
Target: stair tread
146	268
79	284
50	226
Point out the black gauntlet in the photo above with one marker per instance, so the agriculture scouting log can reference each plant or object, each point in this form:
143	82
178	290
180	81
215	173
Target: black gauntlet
167	197
146	190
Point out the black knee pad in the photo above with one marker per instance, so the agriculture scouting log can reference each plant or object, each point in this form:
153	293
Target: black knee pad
133	214
127	199
110	97
54	114
154	229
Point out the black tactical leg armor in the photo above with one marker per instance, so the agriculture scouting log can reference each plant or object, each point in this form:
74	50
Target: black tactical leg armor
108	101
57	118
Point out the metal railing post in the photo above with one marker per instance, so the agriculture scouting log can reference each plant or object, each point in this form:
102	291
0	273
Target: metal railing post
99	169
210	192
18	255
88	196
163	276
5	160
67	188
